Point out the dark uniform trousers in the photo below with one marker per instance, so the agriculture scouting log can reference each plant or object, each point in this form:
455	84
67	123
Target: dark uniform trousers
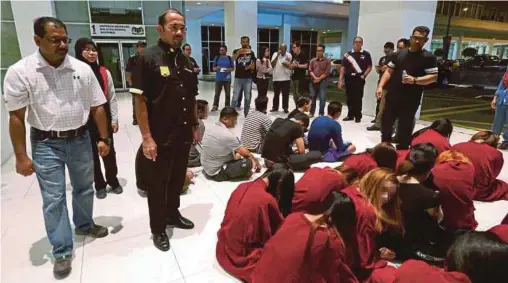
404	111
354	95
166	78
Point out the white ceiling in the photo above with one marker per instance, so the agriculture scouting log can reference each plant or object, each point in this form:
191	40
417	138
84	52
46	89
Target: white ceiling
331	8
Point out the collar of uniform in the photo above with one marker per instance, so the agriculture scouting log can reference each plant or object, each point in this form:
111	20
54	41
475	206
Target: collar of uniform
42	63
361	50
168	48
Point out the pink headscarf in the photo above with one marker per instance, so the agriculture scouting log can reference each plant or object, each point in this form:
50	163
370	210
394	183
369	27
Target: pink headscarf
505	80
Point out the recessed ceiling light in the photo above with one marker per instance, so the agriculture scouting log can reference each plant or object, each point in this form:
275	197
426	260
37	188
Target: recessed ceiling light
311	29
327	30
213	24
199	3
187	10
324	31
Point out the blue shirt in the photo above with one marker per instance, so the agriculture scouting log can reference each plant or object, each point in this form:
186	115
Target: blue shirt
322	130
226	63
502	94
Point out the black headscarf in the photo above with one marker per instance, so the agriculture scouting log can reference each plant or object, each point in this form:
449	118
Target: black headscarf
78	49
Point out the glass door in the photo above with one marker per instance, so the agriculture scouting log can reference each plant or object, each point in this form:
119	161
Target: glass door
109	54
128	50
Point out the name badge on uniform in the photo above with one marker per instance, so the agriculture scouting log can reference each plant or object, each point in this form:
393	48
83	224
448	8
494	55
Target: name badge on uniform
165	71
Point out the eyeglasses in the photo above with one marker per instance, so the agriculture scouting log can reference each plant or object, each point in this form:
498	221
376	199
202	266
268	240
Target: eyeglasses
420	38
53	40
176	28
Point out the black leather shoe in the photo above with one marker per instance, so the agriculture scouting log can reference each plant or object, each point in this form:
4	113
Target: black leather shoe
358	120
134	122
348	119
373	128
180	222
161	241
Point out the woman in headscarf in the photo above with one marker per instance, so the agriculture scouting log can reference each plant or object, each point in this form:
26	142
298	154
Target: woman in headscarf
86	51
438	134
500	105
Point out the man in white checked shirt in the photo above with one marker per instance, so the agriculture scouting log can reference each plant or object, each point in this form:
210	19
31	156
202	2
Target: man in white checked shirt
57	92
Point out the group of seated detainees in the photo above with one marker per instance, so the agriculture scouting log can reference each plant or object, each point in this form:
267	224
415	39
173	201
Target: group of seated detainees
352	223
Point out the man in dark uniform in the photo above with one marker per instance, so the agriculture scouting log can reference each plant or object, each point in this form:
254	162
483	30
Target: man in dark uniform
140	47
187	50
356	66
407	74
380	69
165	88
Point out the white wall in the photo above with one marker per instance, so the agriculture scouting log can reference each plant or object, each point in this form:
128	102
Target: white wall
7	150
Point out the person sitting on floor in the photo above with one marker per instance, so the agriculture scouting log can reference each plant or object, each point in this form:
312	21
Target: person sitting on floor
310	247
277	147
325	135
438	134
194	155
382	155
377	205
256	125
316	186
223	157
302	106
254	212
488	162
420	205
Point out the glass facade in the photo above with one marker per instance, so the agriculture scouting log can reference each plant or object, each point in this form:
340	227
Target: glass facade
308	40
116	12
212	37
10	52
72	11
269	38
152	10
479	10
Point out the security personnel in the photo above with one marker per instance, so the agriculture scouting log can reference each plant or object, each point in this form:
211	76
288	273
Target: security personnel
140	47
356	66
165	88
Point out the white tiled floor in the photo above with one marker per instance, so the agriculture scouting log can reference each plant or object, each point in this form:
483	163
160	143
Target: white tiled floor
127	254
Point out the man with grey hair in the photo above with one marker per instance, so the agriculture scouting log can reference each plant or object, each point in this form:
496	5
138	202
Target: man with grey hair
281	63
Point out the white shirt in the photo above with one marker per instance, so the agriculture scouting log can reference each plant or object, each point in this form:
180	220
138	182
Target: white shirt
281	73
113	102
57	99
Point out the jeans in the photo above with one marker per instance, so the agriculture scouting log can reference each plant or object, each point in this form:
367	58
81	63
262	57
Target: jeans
245	86
218	89
315	88
278	87
500	119
50	158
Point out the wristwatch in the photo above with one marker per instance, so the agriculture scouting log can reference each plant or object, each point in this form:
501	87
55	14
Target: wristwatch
105	140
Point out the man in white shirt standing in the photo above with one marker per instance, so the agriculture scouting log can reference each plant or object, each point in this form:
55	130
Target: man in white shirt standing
281	62
57	92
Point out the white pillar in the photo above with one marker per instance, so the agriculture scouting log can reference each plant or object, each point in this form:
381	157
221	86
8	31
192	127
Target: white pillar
397	18
24	14
241	19
286	35
490	48
352	29
193	37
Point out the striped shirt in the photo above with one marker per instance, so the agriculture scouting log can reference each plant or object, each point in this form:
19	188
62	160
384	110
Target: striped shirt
254	130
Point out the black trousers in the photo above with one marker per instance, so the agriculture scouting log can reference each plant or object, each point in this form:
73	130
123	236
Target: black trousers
109	164
354	96
134	119
262	87
277	88
218	90
163	181
404	111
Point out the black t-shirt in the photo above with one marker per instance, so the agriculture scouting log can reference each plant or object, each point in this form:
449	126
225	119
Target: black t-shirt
300	59
131	63
363	61
243	61
382	61
293	113
416	64
280	137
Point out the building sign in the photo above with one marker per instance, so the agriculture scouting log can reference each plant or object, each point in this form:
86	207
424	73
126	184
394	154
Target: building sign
117	30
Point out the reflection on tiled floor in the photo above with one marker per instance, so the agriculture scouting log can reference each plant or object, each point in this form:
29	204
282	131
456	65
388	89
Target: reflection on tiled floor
127	254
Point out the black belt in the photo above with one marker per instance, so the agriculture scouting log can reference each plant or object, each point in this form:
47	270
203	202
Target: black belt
41	135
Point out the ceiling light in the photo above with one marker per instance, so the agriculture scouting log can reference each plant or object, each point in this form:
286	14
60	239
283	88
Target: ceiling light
311	29
187	10
465	9
213	24
327	30
324	31
199	3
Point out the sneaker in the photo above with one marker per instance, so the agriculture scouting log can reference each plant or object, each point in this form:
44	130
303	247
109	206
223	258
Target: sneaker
373	128
348	119
96	231
503	145
62	267
215	108
373	121
286	111
142	193
134	122
117	190
101	194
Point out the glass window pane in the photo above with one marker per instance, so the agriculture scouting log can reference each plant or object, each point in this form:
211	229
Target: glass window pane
264	35
274	35
2	75
305	36
177	5
295	36
72	11
151	35
306	49
273	48
313	38
223	32
215	33
110	53
10	47
204	44
76	32
7	11
214	49
204	33
152	11
116	12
